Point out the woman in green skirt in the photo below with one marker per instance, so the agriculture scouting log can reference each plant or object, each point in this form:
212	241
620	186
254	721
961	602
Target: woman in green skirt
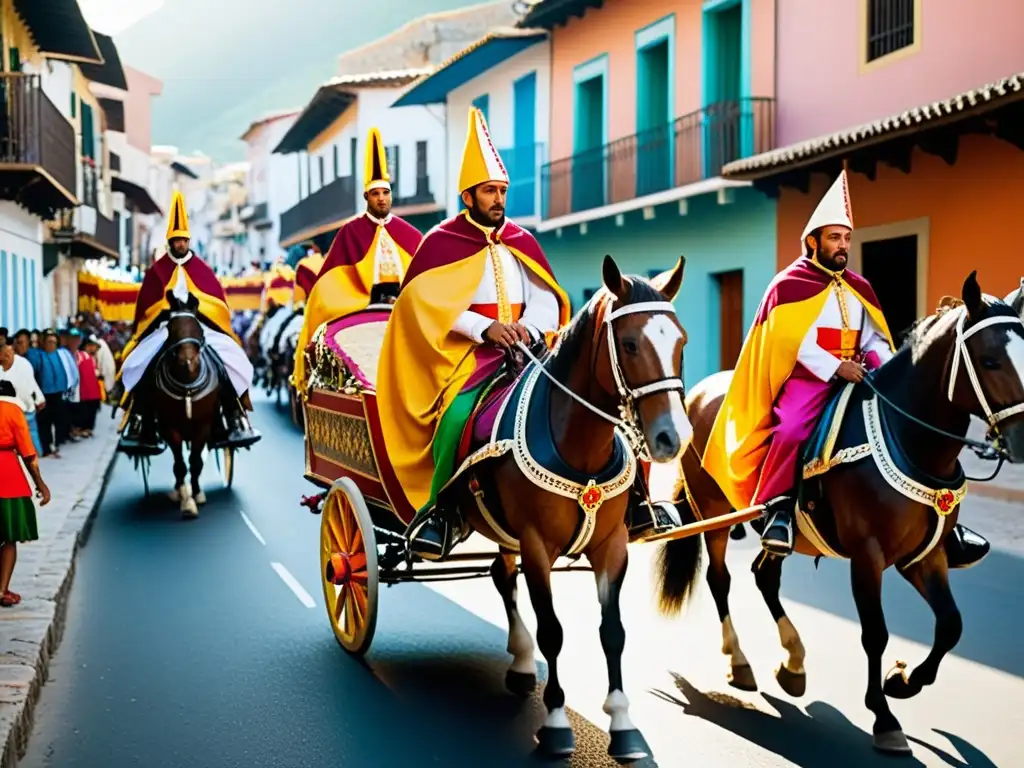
17	510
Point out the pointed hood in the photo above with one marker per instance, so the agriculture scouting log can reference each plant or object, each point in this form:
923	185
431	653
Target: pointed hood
833	210
375	175
177	222
480	160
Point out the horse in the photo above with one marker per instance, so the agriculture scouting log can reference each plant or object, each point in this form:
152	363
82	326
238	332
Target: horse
624	348
186	398
1015	299
966	359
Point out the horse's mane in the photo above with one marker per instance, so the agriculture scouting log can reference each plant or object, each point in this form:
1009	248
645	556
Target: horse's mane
581	328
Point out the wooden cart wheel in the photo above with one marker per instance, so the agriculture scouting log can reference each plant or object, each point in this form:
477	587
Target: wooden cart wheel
348	566
227	467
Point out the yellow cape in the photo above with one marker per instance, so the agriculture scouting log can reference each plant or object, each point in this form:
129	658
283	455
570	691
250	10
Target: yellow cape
742	430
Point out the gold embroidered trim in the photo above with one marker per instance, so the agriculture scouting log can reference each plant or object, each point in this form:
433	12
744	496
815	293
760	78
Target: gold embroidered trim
501	289
844	456
341	439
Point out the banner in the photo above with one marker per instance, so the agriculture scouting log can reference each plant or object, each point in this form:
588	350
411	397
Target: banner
108	292
278	285
243	293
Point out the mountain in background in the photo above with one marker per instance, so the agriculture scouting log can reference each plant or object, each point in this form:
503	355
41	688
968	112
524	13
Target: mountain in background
225	63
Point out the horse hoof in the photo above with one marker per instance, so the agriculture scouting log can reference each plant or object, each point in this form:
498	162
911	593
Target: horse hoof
892	743
189	510
793	683
520	684
556	742
627	746
742	678
897	686
200	497
174	496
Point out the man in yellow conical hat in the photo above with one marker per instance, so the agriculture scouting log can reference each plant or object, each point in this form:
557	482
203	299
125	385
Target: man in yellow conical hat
181	272
367	260
478	284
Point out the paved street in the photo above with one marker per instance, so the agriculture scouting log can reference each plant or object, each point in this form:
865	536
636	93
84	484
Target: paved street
186	645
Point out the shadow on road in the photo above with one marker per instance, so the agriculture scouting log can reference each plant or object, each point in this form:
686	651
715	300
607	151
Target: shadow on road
801	737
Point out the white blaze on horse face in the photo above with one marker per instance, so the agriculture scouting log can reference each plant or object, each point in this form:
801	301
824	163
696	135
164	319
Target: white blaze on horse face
1015	351
665	335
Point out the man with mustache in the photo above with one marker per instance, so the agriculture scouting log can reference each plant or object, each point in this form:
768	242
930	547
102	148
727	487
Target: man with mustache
831	330
477	285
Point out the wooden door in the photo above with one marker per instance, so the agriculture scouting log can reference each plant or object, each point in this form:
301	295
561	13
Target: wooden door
730	293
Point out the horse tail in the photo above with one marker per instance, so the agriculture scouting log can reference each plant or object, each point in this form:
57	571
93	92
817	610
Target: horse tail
679	564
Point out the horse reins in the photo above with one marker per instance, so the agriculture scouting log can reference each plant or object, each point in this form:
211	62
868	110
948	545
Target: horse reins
984	450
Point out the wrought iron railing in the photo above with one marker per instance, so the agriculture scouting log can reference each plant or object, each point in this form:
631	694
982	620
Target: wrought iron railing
330	203
33	131
687	150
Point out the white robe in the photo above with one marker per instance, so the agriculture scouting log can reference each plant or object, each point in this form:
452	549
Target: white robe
823	363
540	311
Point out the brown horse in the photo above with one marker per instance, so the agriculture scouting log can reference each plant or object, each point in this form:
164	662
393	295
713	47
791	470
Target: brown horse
623	350
186	398
962	361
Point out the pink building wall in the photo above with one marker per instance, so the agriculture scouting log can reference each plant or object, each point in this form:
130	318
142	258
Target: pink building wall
612	28
821	88
141	89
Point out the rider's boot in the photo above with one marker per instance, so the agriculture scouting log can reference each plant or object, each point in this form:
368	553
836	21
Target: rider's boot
140	435
646	520
777	538
239	432
965	548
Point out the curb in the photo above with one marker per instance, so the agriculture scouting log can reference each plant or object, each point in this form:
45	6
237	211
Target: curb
17	717
998	492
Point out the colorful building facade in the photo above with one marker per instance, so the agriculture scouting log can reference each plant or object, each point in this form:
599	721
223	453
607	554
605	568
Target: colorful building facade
927	120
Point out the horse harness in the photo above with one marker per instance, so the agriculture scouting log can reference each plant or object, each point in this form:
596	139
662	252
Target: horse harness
205	382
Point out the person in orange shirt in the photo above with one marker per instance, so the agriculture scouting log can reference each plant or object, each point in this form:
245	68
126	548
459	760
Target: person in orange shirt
17	510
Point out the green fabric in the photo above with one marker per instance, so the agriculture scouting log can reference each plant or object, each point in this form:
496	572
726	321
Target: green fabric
18	520
447	438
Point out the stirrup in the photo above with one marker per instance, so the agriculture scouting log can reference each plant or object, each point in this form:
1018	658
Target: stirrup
660	516
775	546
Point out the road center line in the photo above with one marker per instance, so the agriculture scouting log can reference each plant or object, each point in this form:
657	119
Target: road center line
248	522
293	585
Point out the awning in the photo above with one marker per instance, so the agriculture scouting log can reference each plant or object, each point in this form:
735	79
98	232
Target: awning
59	30
184	170
114	111
138	196
548	14
906	125
110	72
496	47
332	99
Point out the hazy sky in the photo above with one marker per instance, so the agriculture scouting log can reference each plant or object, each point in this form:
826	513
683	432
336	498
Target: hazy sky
111	17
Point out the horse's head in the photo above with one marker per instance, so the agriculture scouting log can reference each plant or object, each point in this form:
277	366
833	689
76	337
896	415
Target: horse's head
185	336
645	350
1016	299
986	375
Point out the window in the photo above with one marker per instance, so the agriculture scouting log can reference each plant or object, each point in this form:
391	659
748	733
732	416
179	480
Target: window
392	158
890	27
421	159
337	162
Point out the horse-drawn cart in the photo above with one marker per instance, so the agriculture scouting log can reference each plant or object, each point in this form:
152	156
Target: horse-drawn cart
365	513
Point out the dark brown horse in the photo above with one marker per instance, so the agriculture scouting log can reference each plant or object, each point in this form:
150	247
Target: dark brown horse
962	361
186	398
624	349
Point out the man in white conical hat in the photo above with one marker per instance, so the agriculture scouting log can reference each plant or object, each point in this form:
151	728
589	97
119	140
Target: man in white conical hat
818	323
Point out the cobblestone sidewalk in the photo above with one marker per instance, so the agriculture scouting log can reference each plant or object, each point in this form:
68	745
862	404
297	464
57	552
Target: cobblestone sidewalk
31	631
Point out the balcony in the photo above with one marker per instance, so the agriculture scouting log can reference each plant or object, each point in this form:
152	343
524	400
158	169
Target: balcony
324	210
421	201
37	148
522	164
690	149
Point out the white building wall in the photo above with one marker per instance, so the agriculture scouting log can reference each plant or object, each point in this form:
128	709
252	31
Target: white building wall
498	82
404	127
282	184
26	298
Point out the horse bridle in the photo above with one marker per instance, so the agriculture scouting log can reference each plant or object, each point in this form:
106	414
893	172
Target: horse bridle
178	390
960	353
629	397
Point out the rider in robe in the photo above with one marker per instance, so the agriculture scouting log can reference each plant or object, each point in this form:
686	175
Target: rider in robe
306	273
478	284
368	258
818	324
182	272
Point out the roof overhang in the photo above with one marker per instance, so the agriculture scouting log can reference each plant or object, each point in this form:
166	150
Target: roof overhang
59	30
139	197
471	62
995	109
110	72
548	14
326	106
